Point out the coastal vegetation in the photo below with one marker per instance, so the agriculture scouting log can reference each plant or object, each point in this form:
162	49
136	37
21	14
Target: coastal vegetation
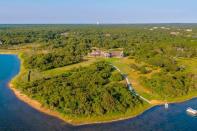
58	72
85	91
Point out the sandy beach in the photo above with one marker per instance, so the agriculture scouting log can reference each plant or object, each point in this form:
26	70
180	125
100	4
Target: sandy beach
35	104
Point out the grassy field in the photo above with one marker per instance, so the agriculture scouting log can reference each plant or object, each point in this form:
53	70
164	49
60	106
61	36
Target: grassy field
57	71
190	64
133	75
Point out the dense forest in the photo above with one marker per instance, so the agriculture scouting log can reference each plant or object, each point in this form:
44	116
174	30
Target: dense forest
87	91
138	41
97	90
72	52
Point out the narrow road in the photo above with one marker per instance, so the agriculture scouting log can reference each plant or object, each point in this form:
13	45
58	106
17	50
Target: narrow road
130	85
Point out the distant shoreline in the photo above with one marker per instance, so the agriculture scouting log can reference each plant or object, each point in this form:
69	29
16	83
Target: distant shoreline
38	106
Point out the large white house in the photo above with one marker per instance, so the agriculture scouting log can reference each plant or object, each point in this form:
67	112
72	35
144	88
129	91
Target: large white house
107	54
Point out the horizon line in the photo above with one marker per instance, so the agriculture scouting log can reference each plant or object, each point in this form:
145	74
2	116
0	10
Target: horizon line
97	23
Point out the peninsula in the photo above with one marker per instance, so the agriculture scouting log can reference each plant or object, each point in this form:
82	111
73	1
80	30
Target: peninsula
85	78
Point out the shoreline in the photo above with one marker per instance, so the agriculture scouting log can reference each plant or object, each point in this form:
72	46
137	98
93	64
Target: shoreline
33	103
38	106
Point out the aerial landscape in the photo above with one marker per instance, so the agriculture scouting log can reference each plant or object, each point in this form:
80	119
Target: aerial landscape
100	67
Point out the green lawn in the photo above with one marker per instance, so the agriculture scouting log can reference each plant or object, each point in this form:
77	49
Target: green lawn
124	65
57	71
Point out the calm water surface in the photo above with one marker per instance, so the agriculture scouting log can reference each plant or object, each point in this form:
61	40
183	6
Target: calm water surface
18	116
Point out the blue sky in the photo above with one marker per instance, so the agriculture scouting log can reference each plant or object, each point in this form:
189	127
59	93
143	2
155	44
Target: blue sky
104	11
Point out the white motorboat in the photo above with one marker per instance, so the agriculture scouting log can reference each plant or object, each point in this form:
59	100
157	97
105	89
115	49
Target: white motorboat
191	111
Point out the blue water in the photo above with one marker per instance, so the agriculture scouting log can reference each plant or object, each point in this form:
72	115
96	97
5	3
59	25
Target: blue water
18	116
